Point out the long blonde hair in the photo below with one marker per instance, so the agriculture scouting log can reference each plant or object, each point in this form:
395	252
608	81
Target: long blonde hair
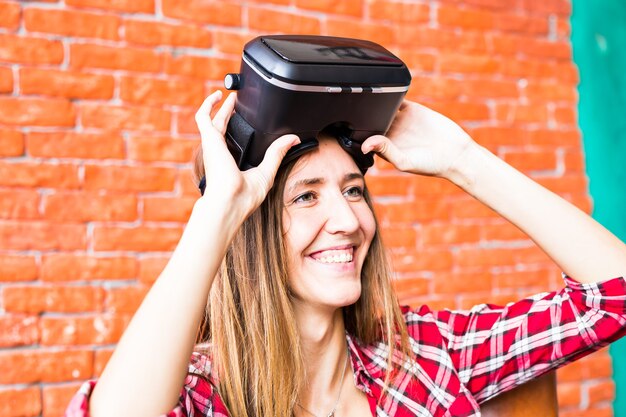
255	343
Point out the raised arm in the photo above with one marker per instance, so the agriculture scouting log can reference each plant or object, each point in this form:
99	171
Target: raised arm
147	369
425	142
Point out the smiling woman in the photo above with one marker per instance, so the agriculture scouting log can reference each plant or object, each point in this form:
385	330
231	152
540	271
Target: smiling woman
301	319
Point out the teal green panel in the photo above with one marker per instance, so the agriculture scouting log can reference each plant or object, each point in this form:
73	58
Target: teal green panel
599	41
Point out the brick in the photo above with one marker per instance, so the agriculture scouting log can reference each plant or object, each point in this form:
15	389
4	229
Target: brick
426	260
557	137
16	174
568	394
172	92
123	118
398	12
44	366
36	112
186	183
347	7
601	391
86	55
125	299
6	80
73	267
598	411
68	84
164	209
10	16
378	33
269	20
150	268
501	230
101	359
18	268
574	160
129	178
493	136
486	88
186	122
155	33
388	185
467	207
450	234
61	299
141	239
468	64
160	148
230	42
545	7
465	18
409	287
461	282
57	397
522	113
19	204
490	257
538	278
42	236
28	50
72	23
20	402
547	49
84	207
437	87
551	91
565	115
11	143
411	36
520	23
83	330
404	237
18	330
466	302
528	160
205	12
76	145
410	212
130	6
204	68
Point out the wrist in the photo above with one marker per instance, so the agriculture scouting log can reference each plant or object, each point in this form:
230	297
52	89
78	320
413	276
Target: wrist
463	171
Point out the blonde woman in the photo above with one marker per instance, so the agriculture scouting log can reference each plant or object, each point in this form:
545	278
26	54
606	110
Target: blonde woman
300	316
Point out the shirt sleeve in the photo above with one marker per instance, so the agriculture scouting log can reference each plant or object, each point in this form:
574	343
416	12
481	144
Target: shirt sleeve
497	348
197	398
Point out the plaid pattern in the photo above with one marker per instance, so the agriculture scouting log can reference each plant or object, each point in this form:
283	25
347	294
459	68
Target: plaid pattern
462	358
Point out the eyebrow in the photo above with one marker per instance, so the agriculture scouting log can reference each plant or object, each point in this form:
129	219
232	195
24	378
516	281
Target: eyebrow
318	180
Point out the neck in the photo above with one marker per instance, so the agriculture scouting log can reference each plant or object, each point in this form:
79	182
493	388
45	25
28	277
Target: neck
324	348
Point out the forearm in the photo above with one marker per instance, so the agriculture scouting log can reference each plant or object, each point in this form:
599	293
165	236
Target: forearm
147	370
579	245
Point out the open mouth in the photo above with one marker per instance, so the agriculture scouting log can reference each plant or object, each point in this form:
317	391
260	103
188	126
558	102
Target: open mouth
334	256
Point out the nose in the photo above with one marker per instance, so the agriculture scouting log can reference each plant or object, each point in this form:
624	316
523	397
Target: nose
341	218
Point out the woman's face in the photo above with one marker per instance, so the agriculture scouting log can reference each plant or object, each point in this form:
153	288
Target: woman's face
328	227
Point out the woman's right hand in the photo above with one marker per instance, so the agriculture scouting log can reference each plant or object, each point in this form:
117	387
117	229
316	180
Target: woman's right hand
235	191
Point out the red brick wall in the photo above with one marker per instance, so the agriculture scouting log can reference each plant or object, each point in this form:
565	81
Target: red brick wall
96	133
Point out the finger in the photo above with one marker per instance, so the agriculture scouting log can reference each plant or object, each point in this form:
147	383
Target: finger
383	147
203	115
274	155
220	121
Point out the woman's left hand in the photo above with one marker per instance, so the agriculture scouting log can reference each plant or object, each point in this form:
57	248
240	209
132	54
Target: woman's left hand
421	141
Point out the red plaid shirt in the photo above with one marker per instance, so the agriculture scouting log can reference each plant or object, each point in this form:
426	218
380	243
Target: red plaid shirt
462	358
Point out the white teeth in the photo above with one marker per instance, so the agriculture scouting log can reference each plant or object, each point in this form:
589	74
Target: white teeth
335	258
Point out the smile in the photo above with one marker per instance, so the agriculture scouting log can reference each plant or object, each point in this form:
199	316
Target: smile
334	256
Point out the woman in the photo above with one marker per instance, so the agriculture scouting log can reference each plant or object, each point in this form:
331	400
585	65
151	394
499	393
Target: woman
302	318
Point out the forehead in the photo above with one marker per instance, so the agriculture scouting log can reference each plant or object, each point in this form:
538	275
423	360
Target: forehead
328	159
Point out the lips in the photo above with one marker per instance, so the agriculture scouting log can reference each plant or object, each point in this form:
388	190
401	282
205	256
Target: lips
334	256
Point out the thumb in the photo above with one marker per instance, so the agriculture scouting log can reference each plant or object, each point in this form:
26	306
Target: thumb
275	154
383	147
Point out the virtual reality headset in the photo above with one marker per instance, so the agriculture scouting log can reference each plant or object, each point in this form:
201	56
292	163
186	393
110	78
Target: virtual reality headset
305	84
